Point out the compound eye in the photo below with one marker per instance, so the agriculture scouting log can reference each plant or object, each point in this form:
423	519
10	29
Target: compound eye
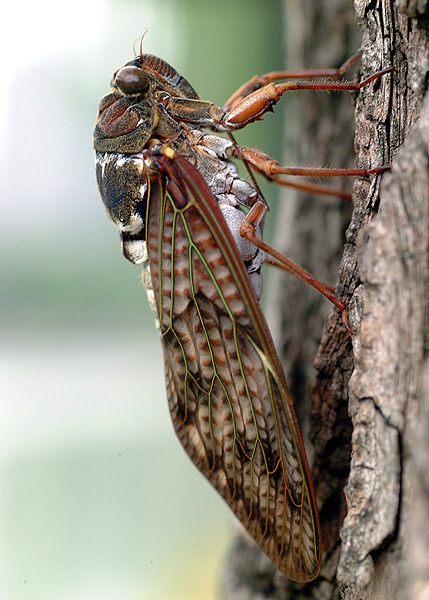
131	80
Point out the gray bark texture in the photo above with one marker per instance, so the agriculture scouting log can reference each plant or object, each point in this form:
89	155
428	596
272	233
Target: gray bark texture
368	398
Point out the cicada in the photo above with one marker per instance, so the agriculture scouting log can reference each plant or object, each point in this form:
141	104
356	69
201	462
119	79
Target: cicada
186	215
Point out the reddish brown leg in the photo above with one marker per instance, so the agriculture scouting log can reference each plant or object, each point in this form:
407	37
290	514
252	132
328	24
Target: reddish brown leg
275	263
256	104
247	230
311	188
270	167
259	81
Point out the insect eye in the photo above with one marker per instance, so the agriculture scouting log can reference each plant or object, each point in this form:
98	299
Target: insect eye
131	80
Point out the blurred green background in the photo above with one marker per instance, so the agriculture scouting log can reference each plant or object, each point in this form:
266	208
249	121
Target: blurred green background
98	500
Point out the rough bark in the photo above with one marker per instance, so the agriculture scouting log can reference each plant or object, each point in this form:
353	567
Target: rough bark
370	417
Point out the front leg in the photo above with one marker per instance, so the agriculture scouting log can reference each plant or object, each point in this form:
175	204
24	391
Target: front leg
250	108
196	112
253	106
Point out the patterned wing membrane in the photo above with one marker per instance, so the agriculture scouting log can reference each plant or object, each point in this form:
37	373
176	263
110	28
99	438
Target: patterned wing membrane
229	404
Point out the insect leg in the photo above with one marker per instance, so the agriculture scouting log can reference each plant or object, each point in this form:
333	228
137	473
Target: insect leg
271	168
311	188
247	230
256	104
259	81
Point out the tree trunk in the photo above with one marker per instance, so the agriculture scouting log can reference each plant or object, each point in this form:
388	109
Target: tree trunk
369	414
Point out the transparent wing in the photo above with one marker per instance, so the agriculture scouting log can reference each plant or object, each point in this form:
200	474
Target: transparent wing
228	398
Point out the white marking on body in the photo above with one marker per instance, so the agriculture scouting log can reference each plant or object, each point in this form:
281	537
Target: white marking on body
134	225
135	251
